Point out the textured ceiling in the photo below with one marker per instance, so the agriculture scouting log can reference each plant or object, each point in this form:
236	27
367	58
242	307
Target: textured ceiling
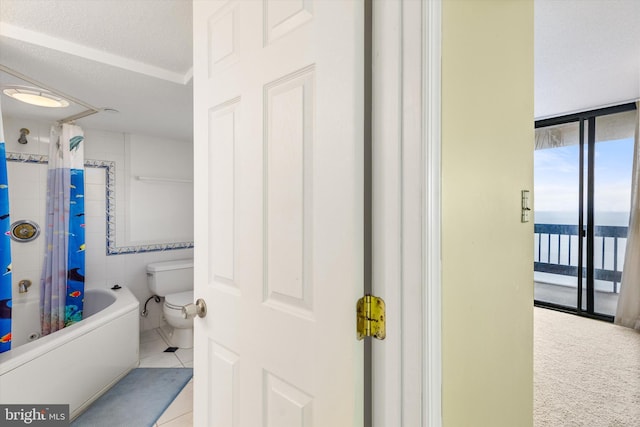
151	31
134	56
587	54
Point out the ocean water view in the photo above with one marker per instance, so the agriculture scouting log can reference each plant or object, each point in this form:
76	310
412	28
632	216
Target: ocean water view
620	219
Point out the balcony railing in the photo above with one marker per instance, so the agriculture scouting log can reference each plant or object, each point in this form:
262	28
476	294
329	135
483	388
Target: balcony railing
557	247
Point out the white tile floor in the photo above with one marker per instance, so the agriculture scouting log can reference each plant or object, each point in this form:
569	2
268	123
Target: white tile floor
152	355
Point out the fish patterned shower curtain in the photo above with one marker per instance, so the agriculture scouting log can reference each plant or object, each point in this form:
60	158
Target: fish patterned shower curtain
5	251
62	280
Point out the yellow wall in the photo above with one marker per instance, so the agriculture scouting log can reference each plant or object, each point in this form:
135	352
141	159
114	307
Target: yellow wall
487	253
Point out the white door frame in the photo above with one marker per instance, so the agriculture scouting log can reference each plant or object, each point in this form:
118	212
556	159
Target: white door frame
406	211
432	196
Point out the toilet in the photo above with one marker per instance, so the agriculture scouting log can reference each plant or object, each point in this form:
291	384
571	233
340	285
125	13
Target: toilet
173	280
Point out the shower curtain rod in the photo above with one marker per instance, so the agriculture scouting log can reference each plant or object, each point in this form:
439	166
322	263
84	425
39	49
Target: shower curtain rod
90	108
80	115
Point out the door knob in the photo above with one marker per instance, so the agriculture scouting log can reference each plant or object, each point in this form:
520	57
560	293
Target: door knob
190	311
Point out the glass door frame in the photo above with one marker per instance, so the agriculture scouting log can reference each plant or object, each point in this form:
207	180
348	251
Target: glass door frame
588	117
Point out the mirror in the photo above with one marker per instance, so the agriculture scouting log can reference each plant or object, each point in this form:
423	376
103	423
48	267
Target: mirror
129	188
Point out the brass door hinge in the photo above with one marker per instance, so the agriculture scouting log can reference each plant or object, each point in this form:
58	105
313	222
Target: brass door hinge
371	318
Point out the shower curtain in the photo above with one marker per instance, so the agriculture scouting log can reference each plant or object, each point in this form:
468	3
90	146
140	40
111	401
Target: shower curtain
5	250
62	280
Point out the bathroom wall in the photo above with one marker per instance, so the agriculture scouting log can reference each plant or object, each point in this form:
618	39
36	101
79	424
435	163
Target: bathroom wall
164	158
158	171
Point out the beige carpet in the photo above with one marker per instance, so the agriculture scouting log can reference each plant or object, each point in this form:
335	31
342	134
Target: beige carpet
586	372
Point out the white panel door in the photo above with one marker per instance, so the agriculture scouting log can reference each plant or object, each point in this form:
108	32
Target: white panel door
278	116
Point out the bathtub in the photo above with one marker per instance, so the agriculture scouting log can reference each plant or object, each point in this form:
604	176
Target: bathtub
76	365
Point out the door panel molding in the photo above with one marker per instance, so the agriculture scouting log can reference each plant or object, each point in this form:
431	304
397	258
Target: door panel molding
279	179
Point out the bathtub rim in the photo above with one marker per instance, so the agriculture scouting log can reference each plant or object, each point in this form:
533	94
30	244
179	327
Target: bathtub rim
124	303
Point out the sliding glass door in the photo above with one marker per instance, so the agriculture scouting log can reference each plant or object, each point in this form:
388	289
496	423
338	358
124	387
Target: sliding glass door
556	214
612	167
581	208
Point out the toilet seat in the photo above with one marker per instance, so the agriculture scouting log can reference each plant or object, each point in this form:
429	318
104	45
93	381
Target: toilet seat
178	300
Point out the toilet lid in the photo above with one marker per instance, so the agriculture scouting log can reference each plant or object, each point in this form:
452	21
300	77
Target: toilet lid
178	300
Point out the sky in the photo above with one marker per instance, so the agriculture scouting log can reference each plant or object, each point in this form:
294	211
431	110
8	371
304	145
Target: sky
556	173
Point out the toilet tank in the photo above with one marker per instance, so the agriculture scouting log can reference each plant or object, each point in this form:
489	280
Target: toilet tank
169	277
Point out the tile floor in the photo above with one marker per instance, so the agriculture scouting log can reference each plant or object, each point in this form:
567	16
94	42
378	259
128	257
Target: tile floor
152	355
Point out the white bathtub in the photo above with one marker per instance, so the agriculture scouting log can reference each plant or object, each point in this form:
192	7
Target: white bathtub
77	364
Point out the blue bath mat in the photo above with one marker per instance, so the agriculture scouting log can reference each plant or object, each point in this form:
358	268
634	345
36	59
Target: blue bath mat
137	400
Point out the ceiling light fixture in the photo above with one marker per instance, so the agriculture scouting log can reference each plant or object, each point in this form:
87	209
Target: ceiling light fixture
35	96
